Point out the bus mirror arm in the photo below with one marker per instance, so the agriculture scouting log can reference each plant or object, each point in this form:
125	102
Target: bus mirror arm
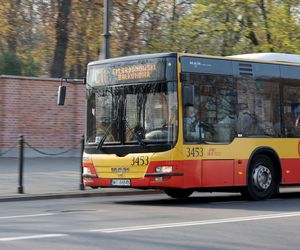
188	94
62	90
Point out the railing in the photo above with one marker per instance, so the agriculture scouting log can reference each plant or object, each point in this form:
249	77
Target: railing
21	146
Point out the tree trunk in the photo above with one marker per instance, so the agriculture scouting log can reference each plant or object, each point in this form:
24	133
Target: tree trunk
62	35
251	35
266	24
13	23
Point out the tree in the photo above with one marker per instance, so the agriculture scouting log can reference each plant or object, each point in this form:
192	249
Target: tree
62	39
225	27
10	63
59	37
85	39
17	39
126	24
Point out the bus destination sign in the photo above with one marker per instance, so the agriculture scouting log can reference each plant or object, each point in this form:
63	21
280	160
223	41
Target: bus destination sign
134	72
127	72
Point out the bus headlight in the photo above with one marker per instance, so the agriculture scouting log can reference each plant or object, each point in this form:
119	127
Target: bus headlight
85	158
164	169
86	171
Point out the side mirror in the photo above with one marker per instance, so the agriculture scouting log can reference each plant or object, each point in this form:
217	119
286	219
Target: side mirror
61	95
188	94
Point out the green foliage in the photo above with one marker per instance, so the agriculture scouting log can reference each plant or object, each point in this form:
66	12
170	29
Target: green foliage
30	67
214	27
226	27
10	64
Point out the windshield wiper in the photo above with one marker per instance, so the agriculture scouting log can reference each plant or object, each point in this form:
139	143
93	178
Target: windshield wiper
101	142
138	134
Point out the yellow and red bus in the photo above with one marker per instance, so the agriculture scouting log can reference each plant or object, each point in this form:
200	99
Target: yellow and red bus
183	123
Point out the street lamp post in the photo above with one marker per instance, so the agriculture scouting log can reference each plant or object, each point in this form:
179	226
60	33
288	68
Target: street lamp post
106	51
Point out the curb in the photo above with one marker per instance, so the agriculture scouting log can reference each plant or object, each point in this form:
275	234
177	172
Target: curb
82	194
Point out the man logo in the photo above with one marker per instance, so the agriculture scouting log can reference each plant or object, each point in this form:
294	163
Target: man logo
120	171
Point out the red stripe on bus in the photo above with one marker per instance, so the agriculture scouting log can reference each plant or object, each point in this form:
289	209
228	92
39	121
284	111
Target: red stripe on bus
205	173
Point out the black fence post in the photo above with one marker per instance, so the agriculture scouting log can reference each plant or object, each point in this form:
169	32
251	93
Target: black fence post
21	163
81	186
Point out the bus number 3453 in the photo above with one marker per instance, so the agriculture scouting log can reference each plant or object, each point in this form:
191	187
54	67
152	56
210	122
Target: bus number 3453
194	152
139	161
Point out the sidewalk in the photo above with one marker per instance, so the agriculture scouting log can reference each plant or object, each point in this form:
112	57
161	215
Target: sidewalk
49	178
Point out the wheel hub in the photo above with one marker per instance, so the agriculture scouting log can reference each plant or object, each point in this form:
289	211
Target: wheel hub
262	177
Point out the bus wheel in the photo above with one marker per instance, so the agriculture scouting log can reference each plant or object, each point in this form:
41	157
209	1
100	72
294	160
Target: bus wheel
179	193
261	179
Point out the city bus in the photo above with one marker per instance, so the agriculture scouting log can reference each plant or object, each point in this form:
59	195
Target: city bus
182	123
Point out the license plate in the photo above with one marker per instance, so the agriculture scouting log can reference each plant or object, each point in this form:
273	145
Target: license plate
120	182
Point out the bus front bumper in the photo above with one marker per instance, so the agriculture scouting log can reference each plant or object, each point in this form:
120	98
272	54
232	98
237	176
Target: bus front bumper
151	180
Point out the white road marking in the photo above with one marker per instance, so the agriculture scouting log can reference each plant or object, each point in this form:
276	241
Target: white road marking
197	223
149	227
25	216
30	237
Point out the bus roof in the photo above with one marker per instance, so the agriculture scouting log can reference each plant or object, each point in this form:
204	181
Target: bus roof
272	57
267	57
134	57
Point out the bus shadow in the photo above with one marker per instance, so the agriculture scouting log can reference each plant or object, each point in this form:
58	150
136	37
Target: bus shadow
197	200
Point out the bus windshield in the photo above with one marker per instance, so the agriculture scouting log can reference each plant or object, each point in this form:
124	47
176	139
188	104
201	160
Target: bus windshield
132	114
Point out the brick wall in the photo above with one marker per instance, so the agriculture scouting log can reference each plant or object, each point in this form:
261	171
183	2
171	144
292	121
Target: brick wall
28	107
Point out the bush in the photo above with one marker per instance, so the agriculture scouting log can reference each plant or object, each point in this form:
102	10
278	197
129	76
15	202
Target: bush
10	64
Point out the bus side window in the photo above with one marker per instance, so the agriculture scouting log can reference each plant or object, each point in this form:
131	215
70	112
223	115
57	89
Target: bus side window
212	117
258	108
291	99
292	122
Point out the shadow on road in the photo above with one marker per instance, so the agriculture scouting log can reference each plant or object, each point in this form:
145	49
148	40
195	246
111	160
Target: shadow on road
216	199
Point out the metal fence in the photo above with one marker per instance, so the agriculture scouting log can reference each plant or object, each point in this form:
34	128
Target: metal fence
22	144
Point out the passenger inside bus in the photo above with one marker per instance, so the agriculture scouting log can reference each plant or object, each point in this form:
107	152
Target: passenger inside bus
292	122
246	122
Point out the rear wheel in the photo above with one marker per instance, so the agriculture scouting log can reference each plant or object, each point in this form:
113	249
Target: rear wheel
261	183
179	193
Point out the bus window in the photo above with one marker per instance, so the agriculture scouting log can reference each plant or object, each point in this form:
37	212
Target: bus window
91	117
152	110
103	115
224	109
291	100
258	107
212	118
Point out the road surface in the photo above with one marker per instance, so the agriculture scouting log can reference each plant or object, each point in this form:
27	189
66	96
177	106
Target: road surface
204	221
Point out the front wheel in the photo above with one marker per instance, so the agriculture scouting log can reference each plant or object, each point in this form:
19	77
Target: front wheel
179	193
261	183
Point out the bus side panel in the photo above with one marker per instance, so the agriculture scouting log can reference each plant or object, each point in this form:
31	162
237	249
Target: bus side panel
240	172
217	173
193	169
203	173
187	174
290	171
190	171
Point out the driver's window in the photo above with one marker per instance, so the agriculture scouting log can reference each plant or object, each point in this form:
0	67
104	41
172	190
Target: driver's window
213	115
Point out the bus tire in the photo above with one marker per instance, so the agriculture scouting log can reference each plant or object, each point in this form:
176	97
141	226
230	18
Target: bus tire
261	182
179	193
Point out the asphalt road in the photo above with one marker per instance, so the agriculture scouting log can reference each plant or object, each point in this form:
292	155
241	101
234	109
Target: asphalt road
204	221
